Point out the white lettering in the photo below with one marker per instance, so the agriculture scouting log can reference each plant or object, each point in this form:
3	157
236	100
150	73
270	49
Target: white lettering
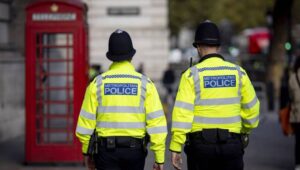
232	83
134	91
106	90
213	83
113	90
227	83
128	91
206	83
54	17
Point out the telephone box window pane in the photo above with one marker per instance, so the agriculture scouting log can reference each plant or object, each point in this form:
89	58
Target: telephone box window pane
55	53
61	109
55	95
57	123
59	67
56	137
70	53
57	39
60	138
56	109
60	81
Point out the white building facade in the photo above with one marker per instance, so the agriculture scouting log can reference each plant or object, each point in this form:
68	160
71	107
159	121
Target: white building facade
145	20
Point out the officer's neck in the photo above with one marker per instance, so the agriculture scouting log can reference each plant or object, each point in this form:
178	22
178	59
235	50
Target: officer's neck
208	50
208	53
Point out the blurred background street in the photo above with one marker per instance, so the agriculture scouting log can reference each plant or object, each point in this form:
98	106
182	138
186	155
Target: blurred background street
51	49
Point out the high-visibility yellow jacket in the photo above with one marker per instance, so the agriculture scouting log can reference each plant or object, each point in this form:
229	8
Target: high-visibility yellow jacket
213	94
123	102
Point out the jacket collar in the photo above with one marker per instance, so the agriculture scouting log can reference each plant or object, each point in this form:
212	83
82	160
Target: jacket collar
210	56
122	65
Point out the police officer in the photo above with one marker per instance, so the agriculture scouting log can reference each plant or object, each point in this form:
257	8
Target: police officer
123	106
215	104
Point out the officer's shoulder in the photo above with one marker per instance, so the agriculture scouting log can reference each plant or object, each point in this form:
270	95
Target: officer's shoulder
148	79
184	71
187	73
242	70
98	77
238	66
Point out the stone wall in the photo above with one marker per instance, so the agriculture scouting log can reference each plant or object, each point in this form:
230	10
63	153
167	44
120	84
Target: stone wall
148	30
12	95
12	74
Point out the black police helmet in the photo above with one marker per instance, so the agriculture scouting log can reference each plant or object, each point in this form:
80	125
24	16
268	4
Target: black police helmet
207	33
120	46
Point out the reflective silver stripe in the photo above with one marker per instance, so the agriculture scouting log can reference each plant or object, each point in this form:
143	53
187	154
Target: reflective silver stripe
159	129
182	125
99	83
223	120
117	76
84	131
120	109
240	80
250	104
121	125
195	74
155	114
87	115
184	105
143	92
251	121
220	101
216	68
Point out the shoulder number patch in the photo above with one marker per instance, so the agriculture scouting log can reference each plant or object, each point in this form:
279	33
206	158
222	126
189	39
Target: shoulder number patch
120	89
219	81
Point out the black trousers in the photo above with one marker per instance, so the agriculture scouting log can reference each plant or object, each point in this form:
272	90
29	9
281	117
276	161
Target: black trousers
120	159
202	155
296	128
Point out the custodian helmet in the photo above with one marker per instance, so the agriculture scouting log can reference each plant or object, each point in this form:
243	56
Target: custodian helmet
120	46
207	33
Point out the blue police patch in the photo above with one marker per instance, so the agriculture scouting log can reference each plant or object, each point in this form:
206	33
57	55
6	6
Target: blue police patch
219	81
120	89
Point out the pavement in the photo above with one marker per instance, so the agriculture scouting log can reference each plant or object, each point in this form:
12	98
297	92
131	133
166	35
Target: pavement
268	150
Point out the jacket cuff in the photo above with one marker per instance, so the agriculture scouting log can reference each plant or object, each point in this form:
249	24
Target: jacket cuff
159	163
85	148
174	151
159	157
245	130
175	147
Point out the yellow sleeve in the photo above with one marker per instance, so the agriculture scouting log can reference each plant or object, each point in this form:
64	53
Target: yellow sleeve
87	117
183	112
156	123
250	105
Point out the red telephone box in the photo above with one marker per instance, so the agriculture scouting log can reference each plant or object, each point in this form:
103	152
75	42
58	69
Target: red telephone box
56	78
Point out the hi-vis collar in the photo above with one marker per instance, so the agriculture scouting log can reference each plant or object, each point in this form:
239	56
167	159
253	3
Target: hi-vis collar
210	56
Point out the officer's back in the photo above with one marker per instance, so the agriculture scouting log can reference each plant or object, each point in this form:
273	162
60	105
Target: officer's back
215	105
124	108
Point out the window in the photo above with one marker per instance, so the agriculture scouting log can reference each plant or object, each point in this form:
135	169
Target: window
118	11
4	21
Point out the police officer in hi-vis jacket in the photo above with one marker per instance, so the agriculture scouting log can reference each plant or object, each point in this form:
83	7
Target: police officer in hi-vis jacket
124	108
215	109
